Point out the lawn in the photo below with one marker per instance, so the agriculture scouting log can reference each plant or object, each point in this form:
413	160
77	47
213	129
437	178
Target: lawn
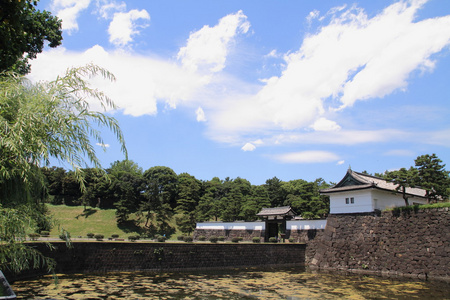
98	221
79	222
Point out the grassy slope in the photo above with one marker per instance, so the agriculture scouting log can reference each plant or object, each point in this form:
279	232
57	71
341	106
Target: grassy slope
97	221
79	223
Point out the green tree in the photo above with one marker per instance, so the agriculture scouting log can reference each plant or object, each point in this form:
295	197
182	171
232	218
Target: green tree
24	30
275	190
126	188
160	193
43	121
432	176
403	178
209	206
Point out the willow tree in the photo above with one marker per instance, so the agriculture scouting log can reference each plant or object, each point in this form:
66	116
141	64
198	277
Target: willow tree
39	122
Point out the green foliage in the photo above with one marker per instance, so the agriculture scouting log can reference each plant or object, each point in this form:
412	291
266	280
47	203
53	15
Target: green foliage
213	239
188	239
221	238
115	236
256	240
99	237
34	236
180	237
202	238
132	238
273	240
90	235
235	240
45	233
24	30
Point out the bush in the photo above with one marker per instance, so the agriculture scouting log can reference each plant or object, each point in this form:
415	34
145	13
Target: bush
45	233
291	240
235	240
256	239
65	236
202	238
213	239
240	238
138	237
273	239
161	239
90	235
115	236
187	239
132	238
34	236
180	237
221	238
99	237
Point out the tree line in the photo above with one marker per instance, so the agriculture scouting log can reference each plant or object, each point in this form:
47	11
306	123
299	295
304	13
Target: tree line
157	194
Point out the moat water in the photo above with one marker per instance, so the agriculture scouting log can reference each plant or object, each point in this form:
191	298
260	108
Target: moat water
230	284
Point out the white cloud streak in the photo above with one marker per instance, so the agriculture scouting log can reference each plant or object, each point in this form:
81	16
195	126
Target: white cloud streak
68	11
207	48
125	25
306	157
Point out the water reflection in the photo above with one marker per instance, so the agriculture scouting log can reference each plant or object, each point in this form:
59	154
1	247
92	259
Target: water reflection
239	284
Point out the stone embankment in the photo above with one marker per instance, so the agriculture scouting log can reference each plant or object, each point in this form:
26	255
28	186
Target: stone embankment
409	243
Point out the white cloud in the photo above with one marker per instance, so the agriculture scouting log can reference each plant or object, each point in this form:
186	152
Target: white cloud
341	162
141	81
323	124
103	145
68	11
306	157
207	48
200	115
248	147
349	59
124	26
107	8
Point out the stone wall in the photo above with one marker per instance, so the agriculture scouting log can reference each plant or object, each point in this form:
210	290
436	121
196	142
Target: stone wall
412	243
114	256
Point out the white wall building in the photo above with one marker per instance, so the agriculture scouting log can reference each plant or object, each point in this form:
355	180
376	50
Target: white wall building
358	192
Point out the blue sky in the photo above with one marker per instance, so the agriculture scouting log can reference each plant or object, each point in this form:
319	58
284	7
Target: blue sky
258	89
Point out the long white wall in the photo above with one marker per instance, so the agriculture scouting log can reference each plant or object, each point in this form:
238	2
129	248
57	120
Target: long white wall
290	225
306	224
232	225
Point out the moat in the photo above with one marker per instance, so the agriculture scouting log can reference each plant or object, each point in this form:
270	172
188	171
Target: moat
291	283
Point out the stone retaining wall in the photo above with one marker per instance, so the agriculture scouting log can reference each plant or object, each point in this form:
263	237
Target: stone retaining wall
114	256
413	243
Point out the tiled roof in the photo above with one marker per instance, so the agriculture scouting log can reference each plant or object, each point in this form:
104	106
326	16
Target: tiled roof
282	210
365	181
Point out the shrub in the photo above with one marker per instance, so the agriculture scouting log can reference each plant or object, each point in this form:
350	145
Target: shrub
99	237
161	239
202	238
180	237
34	236
291	240
213	239
235	240
64	236
132	238
45	233
187	239
90	235
240	238
221	238
114	236
256	239
138	237
273	239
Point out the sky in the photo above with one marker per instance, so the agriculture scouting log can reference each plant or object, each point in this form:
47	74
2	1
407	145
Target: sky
261	89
